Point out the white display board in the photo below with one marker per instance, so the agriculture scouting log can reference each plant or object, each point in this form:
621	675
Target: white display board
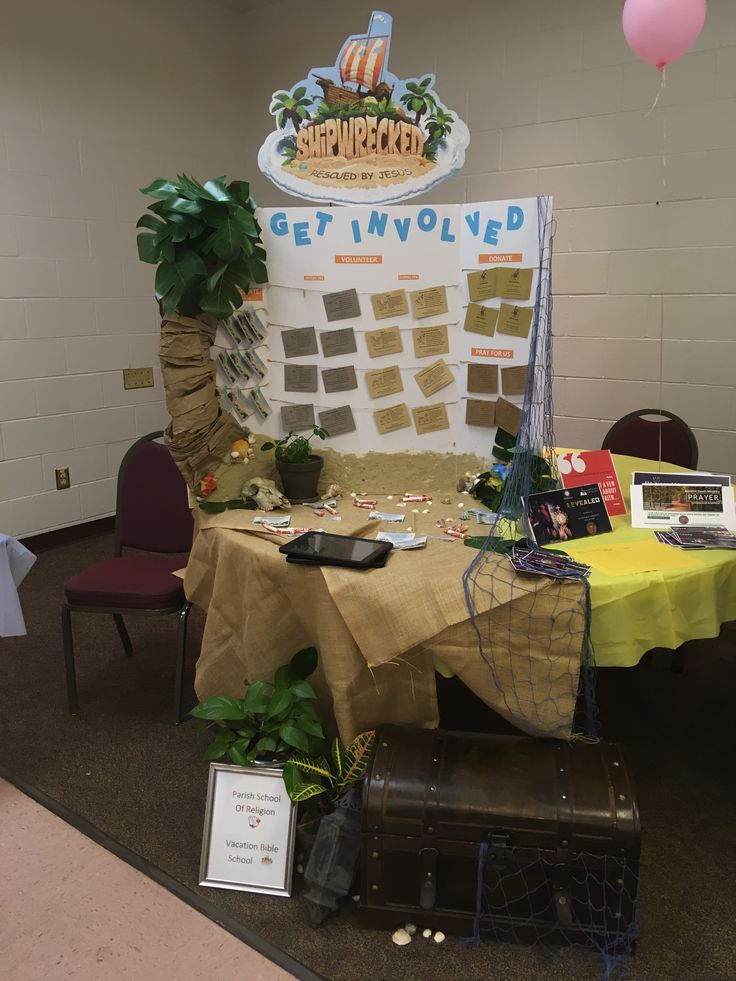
314	252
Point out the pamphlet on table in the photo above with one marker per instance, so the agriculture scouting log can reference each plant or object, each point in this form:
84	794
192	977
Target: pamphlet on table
662	500
568	514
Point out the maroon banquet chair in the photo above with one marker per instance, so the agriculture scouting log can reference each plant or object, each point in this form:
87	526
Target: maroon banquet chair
666	437
152	514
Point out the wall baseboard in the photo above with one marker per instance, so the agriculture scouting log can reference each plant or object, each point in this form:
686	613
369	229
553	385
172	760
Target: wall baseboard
72	533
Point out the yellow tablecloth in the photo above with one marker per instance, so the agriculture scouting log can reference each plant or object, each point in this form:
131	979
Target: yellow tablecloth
645	594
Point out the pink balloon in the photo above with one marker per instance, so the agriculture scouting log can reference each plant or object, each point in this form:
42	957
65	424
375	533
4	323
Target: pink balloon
660	31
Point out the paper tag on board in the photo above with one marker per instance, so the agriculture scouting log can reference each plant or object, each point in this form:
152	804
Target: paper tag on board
393	304
299	342
431	302
392	418
300	377
430	341
384	381
514	284
430	418
508	417
480	320
338	421
336	342
513	380
386	340
514	320
339	379
483	378
297	417
434	377
341	306
478	412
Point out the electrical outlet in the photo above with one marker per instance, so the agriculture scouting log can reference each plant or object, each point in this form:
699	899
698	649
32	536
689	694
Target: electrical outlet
62	478
137	377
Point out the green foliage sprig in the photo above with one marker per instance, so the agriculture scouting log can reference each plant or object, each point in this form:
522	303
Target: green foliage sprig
295	448
419	98
329	776
207	244
271	721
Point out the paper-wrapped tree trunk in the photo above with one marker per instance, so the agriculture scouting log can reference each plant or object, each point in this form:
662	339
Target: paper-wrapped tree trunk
200	434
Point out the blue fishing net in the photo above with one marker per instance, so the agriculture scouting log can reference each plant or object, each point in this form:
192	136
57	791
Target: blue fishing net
534	637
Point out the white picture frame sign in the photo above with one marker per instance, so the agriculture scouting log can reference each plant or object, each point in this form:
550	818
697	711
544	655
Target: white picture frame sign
249	827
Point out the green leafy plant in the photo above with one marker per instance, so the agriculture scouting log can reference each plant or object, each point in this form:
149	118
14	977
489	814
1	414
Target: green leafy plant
418	98
271	720
291	107
430	150
329	776
295	448
206	242
439	124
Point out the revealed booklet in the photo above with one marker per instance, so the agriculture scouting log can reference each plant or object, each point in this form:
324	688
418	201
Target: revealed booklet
565	515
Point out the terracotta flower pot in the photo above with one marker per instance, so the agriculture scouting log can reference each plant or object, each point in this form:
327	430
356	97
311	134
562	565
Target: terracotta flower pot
300	480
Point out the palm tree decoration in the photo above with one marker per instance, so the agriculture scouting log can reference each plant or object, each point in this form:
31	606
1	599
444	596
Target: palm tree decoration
418	98
439	124
291	108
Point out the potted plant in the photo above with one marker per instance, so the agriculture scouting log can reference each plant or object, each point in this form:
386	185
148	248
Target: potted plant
299	468
270	721
331	780
206	242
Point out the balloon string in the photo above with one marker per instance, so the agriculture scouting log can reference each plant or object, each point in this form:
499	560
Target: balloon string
662	87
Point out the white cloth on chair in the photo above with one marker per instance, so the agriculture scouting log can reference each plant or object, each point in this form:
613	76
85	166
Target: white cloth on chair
15	563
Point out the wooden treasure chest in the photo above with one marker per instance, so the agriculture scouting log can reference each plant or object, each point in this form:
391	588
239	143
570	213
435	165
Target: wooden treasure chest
508	837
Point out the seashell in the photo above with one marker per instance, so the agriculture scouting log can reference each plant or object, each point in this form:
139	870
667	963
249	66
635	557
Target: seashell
389	497
427	933
401	938
425	511
439	937
411	928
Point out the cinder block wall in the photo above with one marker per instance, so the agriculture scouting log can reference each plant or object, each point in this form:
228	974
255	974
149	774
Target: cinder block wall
90	108
96	100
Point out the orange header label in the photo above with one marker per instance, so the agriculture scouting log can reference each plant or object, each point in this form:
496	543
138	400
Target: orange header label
359	260
498	257
254	295
491	352
314	279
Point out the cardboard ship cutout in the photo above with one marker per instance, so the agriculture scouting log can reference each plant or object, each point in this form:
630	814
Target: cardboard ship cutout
356	134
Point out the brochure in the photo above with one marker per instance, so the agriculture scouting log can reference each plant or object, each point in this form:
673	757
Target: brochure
682	503
565	515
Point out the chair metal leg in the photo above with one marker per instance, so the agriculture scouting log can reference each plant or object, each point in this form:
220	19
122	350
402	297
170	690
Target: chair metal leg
122	631
181	654
68	642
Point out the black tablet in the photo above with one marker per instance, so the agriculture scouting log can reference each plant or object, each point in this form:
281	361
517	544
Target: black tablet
320	546
297	560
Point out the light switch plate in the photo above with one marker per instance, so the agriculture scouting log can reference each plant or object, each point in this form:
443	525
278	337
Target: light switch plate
137	377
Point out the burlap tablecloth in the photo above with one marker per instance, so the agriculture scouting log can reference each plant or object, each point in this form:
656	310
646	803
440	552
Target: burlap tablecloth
379	631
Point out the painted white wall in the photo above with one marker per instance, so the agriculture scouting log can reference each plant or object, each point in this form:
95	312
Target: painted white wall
97	97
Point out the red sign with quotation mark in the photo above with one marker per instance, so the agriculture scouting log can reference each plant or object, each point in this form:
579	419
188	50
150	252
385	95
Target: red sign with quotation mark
593	467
